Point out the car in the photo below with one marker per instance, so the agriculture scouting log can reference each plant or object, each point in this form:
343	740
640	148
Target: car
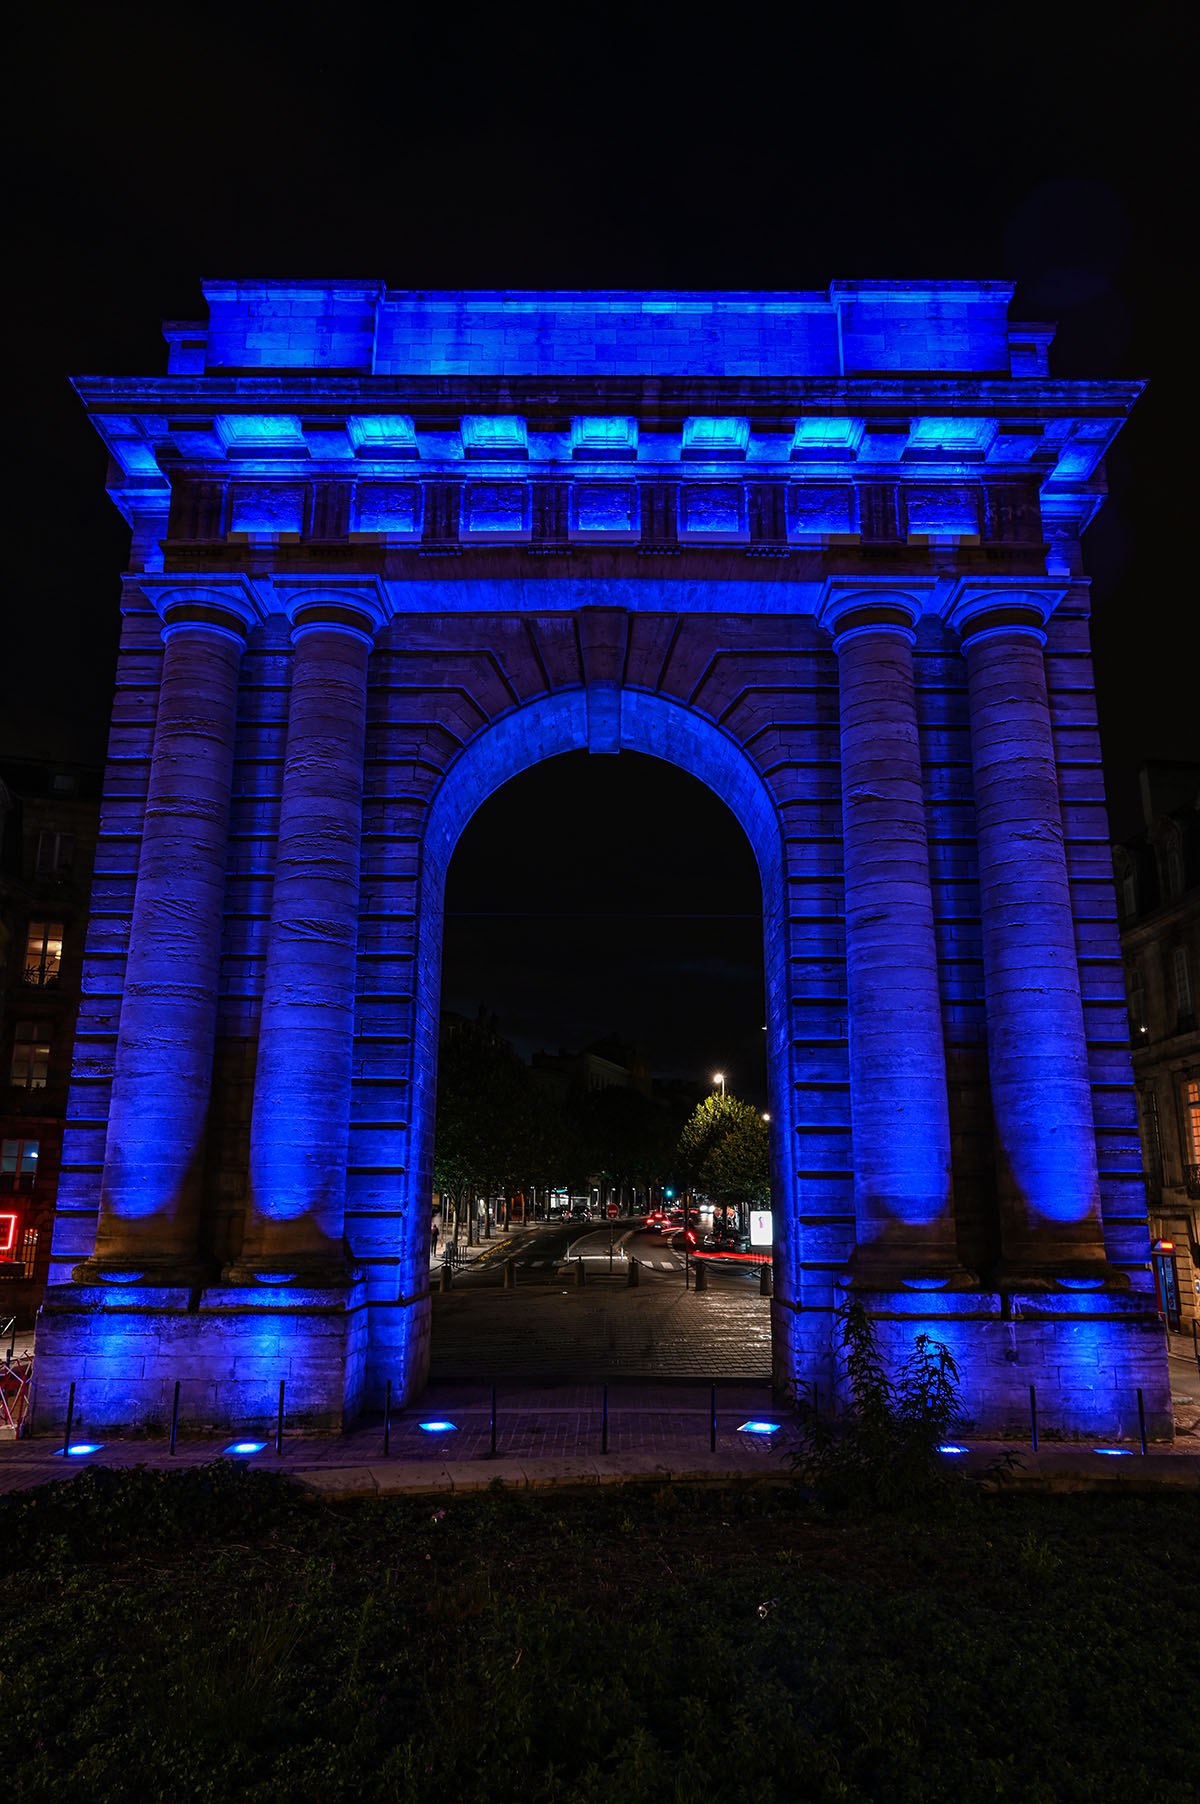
580	1212
670	1222
654	1219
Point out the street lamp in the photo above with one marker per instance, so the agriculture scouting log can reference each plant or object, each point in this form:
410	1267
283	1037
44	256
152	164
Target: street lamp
765	1116
719	1078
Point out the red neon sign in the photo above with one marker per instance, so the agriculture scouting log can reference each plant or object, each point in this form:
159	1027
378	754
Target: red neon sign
8	1232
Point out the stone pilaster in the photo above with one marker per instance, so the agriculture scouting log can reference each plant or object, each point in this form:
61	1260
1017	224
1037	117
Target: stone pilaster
150	1198
904	1207
300	1123
1047	1178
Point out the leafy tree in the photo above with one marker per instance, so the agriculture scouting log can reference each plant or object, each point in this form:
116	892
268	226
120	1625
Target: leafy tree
486	1118
724	1151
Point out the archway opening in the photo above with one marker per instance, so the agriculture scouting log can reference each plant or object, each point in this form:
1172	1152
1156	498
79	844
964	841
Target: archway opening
602	980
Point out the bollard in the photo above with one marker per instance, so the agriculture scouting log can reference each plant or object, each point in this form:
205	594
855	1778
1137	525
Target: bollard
701	1276
445	1276
70	1418
604	1422
633	1275
1141	1420
493	1421
1033	1417
580	1279
764	1280
510	1274
175	1419
279	1422
387	1421
712	1419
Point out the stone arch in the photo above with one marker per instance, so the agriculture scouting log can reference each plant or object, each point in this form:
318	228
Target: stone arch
546	728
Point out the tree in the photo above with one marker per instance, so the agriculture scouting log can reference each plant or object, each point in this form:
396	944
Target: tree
724	1150
486	1118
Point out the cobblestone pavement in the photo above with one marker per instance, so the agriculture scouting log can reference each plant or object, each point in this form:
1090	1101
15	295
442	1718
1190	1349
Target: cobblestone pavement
552	1329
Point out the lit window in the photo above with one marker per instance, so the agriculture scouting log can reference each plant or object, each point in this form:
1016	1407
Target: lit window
1191	1118
31	1055
55	853
18	1164
43	953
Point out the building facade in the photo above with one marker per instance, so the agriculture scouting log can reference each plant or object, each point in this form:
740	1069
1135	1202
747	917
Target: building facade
49	819
1158	898
388	550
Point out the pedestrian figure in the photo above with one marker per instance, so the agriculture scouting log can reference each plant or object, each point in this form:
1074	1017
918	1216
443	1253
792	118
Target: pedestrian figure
433	1241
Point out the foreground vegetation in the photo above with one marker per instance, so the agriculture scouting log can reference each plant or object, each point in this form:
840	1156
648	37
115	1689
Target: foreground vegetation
214	1634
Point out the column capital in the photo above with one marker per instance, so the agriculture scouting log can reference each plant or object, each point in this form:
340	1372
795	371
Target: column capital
359	608
223	606
850	604
980	607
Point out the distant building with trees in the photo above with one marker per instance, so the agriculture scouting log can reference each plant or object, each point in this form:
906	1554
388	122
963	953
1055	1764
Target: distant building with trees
1158	901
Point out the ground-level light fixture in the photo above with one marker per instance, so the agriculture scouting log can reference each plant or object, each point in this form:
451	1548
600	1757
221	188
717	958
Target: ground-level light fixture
243	1448
1115	1452
759	1428
78	1449
439	1427
949	1449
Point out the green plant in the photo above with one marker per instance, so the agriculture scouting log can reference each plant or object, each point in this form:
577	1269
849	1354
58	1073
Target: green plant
881	1451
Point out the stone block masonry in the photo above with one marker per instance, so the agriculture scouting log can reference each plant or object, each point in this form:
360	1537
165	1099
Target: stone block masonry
822	551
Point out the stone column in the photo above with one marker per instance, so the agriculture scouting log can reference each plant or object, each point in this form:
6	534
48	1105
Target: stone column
299	1131
1049	1190
900	1123
150	1198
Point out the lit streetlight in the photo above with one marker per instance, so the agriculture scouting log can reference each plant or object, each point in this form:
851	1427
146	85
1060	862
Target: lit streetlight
719	1078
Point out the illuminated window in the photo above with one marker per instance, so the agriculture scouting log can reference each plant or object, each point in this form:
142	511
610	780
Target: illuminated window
1191	1118
31	1055
55	854
18	1164
43	953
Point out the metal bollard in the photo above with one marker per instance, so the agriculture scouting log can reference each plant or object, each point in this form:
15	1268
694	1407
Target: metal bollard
510	1274
1141	1420
764	1280
445	1277
633	1275
70	1418
175	1419
580	1277
701	1275
1033	1417
279	1422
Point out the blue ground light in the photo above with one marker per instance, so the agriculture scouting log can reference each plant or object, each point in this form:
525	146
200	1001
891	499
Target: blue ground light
245	1447
78	1449
949	1449
759	1428
1115	1452
438	1427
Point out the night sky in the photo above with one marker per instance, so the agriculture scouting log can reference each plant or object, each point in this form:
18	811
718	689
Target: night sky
151	146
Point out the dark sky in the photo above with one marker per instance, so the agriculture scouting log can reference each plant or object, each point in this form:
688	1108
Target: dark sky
597	147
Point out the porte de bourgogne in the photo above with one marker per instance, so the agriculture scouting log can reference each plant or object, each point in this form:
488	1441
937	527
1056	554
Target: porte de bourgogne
390	549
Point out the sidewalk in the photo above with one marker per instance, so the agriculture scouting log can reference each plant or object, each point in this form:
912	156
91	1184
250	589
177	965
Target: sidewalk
553	1436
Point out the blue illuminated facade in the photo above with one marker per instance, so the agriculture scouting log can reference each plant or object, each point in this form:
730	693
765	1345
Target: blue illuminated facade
390	549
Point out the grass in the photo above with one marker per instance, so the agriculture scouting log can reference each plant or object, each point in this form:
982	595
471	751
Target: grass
216	1635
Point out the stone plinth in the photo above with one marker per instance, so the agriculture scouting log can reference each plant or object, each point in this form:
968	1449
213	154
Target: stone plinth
1085	1352
229	1346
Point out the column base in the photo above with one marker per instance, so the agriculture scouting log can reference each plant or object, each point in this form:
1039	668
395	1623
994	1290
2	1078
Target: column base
157	1271
1034	1274
124	1346
889	1268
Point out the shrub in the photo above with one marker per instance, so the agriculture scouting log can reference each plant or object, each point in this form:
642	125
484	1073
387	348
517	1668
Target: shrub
881	1451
